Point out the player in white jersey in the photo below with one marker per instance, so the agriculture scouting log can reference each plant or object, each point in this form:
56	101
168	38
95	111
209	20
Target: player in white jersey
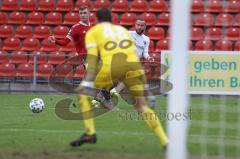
141	41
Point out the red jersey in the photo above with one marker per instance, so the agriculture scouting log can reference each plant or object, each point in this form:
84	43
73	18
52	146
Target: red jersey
77	35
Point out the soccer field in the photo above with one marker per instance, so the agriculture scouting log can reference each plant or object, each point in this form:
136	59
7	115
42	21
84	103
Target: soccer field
44	135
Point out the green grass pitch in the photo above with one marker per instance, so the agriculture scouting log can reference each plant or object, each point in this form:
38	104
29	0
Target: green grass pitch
24	134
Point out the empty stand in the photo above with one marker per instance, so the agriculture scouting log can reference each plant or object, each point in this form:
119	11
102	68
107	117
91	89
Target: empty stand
163	19
149	17
197	6
3	18
157	6
204	45
162	45
213	34
60	31
100	3
71	18
28	5
56	58
120	6
232	34
30	45
23	31
16	18
35	18
41	32
237	46
41	57
156	33
204	19
214	6
197	34
64	5
128	19
11	44
7	70
53	18
25	70
46	46
9	5
224	20
223	45
138	6
44	70
3	57
18	57
46	5
6	31
232	6
81	3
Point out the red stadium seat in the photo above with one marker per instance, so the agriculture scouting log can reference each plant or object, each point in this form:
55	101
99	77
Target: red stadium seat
28	5
232	6
60	31
16	18
9	5
7	70
237	20
18	57
204	19
41	57
214	6
79	72
11	44
64	5
204	45
71	18
53	18
163	19
81	3
224	20
197	34
6	31
25	70
115	18
44	70
120	6
3	57
56	58
162	45
151	47
237	46
150	18
66	71
197	6
46	5
100	3
92	19
41	32
3	18
35	18
69	48
232	34
48	47
23	31
156	33
223	45
139	6
157	6
168	36
30	44
128	19
213	34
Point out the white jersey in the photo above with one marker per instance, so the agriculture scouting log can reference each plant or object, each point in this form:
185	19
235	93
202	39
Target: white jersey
142	44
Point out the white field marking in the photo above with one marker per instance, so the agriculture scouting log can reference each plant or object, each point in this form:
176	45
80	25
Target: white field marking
123	133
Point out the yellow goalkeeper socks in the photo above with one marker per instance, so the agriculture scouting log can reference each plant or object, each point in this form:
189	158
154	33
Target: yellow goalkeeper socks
153	122
88	123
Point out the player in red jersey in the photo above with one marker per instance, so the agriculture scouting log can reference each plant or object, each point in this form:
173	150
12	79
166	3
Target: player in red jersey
76	33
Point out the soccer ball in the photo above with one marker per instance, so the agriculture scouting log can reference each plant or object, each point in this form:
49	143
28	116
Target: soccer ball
36	105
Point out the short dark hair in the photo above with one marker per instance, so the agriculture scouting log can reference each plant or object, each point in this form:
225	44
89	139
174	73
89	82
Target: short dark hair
83	7
104	15
141	19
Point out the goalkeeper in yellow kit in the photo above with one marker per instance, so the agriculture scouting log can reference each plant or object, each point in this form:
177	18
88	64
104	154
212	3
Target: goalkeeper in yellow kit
112	58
